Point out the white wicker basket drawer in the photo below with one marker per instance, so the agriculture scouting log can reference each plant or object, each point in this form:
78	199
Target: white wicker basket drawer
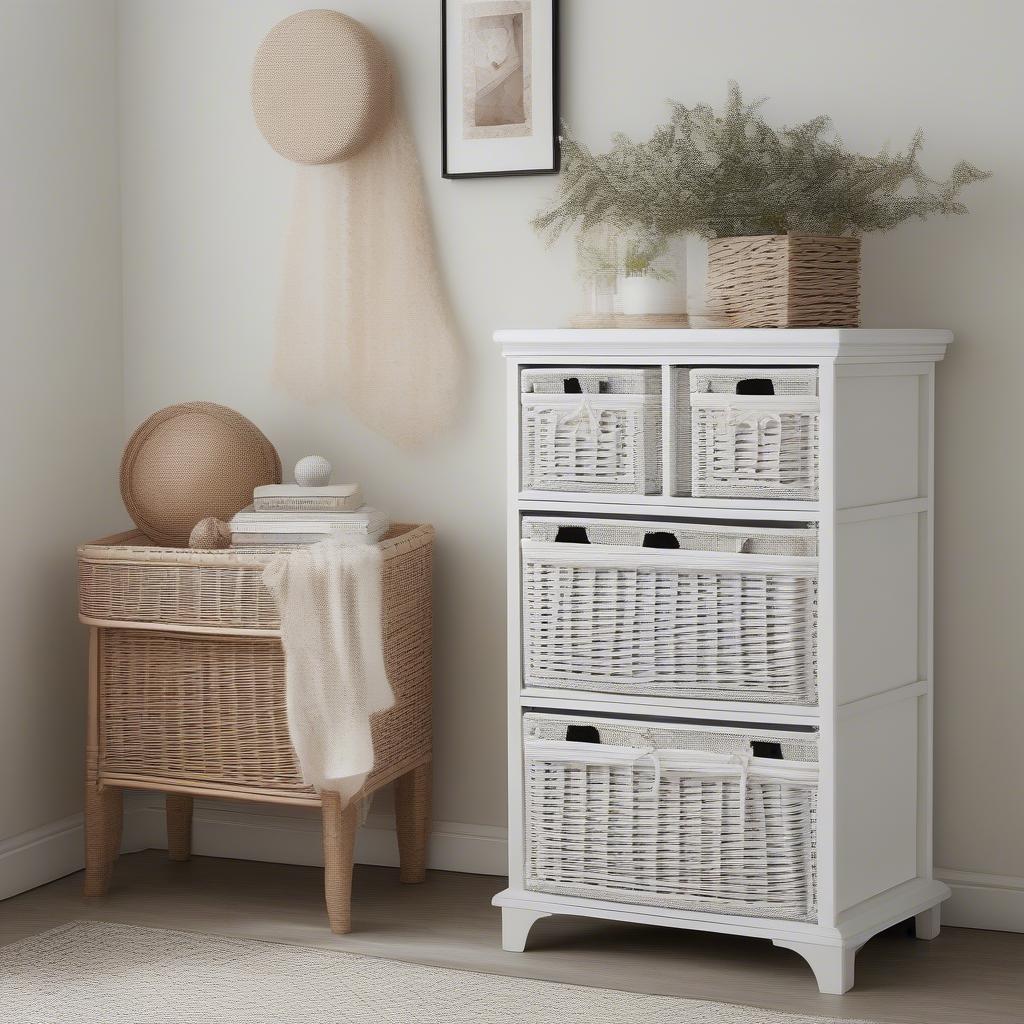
754	433
694	817
588	429
670	609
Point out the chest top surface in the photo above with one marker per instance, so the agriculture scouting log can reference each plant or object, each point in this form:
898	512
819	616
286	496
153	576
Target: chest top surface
897	344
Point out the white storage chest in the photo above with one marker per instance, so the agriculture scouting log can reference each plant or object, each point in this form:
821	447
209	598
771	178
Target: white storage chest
720	688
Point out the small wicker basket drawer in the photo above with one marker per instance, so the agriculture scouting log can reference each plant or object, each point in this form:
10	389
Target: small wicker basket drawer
591	430
670	609
132	581
183	708
754	433
693	817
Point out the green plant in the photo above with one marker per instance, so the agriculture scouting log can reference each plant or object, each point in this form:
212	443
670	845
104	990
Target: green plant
607	250
733	174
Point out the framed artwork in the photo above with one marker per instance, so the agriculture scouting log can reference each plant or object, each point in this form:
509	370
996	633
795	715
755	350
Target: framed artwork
499	87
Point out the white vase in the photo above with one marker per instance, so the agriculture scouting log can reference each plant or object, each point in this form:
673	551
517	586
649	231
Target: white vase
642	294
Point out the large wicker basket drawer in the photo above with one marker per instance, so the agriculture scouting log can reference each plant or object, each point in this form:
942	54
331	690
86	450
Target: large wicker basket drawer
694	817
670	609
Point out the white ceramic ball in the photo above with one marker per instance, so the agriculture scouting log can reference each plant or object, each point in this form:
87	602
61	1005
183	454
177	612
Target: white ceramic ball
312	471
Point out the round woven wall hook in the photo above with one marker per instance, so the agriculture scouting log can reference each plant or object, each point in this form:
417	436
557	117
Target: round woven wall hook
321	87
191	461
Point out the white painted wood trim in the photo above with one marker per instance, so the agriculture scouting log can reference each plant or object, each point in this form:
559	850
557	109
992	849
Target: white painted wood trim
666	707
879	700
992	902
248	832
40	855
885	510
725	345
668	504
513	718
667	507
241	832
727	924
828	855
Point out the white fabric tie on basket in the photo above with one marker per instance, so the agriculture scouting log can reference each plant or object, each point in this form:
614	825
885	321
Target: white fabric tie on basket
759	422
582	415
742	762
689	762
329	599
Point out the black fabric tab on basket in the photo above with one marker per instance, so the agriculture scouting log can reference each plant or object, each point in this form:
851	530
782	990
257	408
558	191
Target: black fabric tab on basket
572	386
660	539
572	535
767	748
755	386
582	734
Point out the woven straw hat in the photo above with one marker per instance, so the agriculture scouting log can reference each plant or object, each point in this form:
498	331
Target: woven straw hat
190	461
321	87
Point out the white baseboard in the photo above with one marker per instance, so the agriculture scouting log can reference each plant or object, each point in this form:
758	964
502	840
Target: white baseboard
992	902
227	830
40	855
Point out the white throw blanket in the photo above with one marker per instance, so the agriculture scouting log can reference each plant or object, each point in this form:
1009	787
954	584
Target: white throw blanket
329	599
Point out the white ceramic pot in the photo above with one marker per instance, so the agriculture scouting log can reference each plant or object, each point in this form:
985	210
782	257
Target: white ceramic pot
639	295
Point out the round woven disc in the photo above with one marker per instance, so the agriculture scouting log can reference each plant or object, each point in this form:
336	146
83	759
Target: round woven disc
321	87
190	461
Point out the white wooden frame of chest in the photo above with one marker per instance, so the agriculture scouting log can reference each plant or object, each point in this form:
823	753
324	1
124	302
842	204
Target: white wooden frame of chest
875	679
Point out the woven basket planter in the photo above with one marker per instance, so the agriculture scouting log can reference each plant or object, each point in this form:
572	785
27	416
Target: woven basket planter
785	280
729	614
691	817
591	430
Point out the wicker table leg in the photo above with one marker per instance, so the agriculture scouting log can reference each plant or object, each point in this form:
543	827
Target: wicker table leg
179	826
103	817
339	848
412	822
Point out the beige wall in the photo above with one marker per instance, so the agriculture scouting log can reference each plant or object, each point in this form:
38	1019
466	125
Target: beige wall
60	380
204	207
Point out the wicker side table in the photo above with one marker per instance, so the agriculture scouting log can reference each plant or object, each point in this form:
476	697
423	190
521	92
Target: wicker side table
186	697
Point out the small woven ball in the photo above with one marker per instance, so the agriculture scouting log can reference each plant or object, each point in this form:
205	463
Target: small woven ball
210	533
312	471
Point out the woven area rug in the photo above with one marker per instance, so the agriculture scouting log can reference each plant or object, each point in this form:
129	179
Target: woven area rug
100	973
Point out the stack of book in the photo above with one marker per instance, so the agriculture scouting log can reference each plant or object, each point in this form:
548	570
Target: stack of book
288	515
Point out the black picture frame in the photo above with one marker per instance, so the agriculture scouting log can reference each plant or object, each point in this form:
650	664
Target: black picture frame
555	164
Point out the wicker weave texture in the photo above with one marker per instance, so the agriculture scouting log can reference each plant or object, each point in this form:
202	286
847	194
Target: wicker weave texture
695	622
785	280
191	461
604	438
672	816
209	710
197	593
755	446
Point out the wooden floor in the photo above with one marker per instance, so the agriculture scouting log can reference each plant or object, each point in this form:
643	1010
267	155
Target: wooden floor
963	977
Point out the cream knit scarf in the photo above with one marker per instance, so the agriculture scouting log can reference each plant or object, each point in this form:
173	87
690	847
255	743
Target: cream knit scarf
363	310
329	599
